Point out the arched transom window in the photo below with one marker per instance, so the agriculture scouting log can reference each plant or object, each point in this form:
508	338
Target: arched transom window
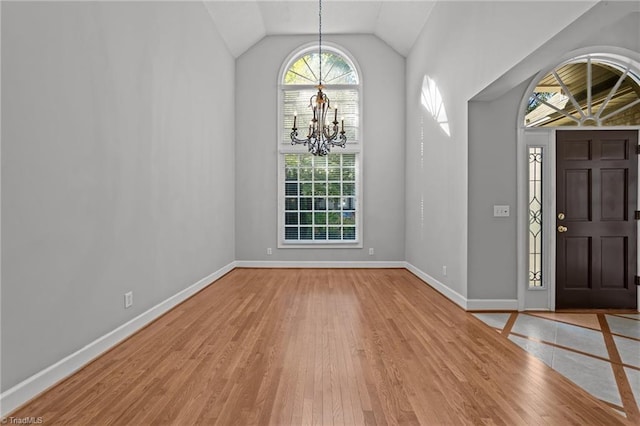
336	70
341	84
319	198
590	90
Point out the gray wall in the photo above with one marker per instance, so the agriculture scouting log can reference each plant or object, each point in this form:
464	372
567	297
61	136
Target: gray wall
492	181
383	150
117	168
464	46
492	148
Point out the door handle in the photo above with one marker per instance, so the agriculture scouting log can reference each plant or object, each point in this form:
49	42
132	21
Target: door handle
562	228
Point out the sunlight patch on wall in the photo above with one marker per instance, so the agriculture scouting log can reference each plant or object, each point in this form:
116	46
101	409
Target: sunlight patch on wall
422	176
432	101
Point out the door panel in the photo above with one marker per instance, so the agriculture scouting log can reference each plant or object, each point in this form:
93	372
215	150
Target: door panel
613	184
577	195
614	268
597	175
577	271
615	149
577	150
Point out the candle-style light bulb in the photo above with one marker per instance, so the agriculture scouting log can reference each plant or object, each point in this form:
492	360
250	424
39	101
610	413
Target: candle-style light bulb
335	116
295	117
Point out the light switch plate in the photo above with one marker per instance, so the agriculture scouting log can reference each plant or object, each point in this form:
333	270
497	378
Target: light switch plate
500	211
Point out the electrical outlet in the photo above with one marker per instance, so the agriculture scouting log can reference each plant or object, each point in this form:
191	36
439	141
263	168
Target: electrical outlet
128	300
444	270
269	251
371	251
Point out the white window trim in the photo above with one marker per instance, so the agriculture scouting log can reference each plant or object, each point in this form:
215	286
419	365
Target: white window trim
354	147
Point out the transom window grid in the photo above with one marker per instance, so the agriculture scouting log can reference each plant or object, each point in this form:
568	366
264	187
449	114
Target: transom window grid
586	91
337	70
320	198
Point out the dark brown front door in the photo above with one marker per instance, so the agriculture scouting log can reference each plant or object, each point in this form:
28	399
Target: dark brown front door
596	198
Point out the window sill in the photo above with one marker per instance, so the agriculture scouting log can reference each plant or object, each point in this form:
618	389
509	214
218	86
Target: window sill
320	245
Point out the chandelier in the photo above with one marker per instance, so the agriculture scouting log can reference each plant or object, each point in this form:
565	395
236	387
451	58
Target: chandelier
322	135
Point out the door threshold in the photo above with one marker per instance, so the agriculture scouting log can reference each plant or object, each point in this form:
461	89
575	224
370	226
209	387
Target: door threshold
596	311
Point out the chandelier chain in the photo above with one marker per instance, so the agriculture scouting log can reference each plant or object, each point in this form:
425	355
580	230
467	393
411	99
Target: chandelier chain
320	41
323	134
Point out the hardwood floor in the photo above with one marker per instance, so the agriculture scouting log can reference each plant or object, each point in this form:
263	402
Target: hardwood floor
317	347
599	352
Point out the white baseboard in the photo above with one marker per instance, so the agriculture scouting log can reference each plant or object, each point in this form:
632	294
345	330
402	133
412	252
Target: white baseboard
450	294
39	382
317	264
460	300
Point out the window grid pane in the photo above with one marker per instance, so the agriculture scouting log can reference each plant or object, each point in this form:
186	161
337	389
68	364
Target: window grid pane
296	101
321	205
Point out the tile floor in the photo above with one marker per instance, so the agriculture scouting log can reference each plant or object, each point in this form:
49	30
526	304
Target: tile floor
598	352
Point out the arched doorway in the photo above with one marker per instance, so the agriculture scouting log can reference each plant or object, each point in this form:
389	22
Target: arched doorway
578	131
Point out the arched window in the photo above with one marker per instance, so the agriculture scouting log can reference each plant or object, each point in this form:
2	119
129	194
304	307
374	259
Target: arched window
320	198
590	90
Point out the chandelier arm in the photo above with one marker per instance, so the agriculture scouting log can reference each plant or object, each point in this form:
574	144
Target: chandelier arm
295	140
333	135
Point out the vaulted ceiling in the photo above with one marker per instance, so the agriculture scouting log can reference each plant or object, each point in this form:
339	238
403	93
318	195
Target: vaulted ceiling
243	23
